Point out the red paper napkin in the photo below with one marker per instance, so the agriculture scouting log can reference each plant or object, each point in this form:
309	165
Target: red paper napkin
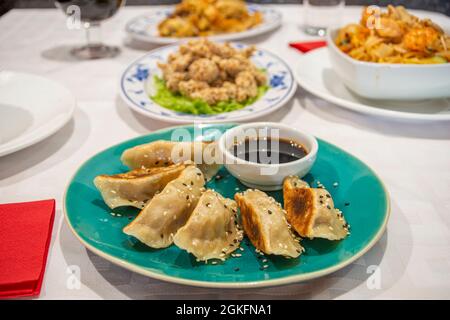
25	233
308	45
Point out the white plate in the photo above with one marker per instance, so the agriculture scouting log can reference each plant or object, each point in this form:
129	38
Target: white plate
31	109
145	27
136	84
315	74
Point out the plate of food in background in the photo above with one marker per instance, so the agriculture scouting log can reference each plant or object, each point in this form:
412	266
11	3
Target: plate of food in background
216	19
395	67
206	81
192	222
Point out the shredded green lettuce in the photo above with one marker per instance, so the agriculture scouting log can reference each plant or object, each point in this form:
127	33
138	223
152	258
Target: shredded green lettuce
174	101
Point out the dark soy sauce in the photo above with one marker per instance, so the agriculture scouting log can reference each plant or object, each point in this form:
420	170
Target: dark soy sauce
267	151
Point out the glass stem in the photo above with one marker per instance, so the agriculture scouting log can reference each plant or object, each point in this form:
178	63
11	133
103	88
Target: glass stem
93	34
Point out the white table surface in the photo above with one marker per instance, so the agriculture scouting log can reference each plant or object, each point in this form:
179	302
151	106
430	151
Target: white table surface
413	159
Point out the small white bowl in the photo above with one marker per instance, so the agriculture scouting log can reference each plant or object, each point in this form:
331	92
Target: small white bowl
389	81
266	176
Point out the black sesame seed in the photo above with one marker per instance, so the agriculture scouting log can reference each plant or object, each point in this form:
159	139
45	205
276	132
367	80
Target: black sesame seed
236	269
320	197
184	184
328	207
298	251
225	206
166	163
235	241
328	196
269	211
199	174
156	162
192	183
347	204
187	197
162	236
321	202
231	244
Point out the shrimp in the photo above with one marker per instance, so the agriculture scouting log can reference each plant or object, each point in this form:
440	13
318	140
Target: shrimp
421	39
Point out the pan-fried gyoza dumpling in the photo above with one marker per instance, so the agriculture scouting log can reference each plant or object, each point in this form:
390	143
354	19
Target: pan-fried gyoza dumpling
265	224
311	211
137	187
162	153
169	210
213	230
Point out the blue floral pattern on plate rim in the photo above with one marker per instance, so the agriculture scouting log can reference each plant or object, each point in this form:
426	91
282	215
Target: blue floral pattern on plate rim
136	85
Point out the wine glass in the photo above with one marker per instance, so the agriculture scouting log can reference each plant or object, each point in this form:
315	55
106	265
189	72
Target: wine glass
89	14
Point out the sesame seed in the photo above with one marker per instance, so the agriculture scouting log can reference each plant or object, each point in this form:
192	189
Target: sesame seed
269	211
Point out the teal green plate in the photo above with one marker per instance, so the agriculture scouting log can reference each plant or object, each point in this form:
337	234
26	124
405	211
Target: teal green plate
359	194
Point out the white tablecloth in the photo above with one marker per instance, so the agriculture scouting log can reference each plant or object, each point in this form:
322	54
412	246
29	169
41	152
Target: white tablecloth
413	159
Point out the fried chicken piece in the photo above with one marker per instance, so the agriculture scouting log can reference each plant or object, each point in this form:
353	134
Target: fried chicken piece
259	75
232	66
204	70
171	76
246	86
180	62
211	95
187	88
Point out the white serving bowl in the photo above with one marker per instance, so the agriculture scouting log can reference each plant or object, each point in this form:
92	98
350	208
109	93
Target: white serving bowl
389	81
266	176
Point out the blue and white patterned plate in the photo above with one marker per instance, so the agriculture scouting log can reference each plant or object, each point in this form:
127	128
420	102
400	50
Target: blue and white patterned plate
145	27
136	86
